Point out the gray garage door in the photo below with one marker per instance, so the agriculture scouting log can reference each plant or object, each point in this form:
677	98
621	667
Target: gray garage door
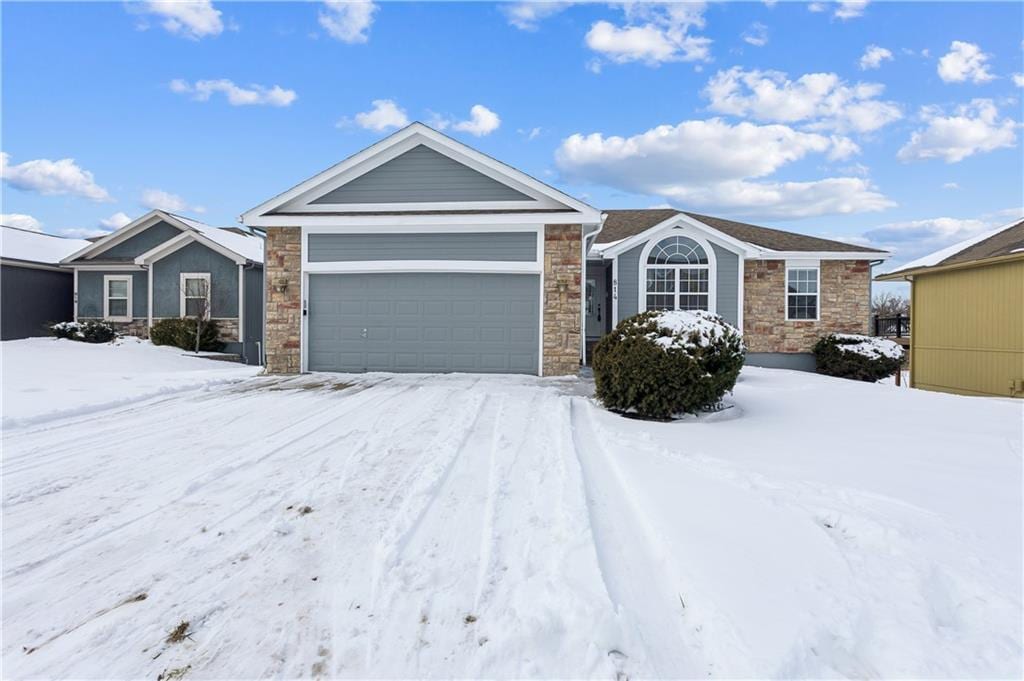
424	322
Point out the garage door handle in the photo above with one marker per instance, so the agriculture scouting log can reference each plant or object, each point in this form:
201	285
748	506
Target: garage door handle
363	333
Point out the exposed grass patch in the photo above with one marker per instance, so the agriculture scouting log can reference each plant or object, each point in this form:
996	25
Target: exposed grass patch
179	633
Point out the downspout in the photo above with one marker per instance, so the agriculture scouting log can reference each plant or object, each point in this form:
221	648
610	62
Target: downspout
587	242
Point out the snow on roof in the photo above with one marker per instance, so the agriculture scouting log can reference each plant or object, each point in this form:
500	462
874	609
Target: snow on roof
23	244
250	247
935	258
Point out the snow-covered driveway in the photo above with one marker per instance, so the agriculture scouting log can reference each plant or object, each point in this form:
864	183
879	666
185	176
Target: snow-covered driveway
461	526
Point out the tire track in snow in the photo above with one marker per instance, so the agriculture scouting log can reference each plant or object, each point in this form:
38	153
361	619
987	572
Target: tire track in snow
646	600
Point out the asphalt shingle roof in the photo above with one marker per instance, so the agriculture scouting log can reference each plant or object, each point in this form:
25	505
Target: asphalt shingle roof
622	224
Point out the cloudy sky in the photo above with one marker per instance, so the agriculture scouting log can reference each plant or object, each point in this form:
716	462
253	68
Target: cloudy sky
891	124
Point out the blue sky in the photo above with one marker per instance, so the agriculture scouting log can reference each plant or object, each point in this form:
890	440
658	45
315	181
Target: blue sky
894	124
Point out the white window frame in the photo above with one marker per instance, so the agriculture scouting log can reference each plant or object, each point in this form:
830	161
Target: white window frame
711	266
181	288
804	265
107	278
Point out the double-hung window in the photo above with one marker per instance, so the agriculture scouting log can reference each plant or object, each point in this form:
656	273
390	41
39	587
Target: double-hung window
678	275
802	284
117	297
195	294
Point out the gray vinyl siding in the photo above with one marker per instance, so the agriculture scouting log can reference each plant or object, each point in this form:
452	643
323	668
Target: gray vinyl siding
421	175
195	258
424	322
90	292
31	298
727	292
505	246
629	282
253	300
726	283
140	243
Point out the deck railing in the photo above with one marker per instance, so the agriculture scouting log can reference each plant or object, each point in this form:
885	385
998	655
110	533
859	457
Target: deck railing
893	327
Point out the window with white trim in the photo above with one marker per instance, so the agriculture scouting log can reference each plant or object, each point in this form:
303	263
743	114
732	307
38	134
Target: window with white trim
678	275
802	285
117	297
195	294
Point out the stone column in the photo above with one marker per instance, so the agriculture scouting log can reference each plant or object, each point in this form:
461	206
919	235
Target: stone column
283	269
562	299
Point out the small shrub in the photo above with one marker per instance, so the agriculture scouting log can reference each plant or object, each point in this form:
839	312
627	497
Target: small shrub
863	358
660	364
181	333
87	332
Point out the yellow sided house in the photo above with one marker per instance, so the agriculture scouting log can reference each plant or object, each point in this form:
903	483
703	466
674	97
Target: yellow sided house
967	312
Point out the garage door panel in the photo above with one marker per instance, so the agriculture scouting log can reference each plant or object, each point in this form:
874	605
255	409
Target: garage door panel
423	322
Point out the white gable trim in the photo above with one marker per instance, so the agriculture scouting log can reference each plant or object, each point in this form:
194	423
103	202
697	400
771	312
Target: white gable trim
134	227
296	199
184	239
686	224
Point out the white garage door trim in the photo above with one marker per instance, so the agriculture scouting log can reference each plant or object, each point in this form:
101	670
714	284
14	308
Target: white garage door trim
535	267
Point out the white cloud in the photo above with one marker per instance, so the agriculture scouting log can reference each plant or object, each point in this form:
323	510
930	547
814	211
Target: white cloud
385	115
530	133
527	16
1018	79
236	95
652	34
82	232
482	121
972	129
821	100
850	9
816	7
116	221
912	239
193	19
756	35
52	178
873	57
348	20
709	163
952	186
158	198
21	221
964	61
842	148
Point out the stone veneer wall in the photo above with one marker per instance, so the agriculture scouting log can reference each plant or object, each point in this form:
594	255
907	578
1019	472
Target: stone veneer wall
140	327
843	301
562	299
282	346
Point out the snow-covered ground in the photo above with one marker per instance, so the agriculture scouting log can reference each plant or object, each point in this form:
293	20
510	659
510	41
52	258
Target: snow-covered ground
44	378
467	526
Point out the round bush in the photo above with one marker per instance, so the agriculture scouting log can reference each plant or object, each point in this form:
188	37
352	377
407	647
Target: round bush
181	333
661	364
87	332
863	358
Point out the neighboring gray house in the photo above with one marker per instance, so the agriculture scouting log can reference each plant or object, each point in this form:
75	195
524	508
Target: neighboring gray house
164	265
420	253
34	290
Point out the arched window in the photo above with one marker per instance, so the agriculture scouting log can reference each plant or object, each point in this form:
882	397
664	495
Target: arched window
678	275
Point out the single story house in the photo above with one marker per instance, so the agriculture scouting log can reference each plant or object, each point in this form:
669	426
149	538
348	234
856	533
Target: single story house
164	265
967	315
34	290
420	253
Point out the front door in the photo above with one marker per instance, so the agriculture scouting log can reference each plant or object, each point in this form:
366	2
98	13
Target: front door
597	305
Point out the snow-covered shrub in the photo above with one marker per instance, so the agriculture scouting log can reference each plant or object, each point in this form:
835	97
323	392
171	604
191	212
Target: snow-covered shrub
87	332
660	364
864	358
181	333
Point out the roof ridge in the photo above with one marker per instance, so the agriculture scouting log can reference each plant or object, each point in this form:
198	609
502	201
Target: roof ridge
35	231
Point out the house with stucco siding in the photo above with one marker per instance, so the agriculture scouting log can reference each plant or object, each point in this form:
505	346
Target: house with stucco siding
422	254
